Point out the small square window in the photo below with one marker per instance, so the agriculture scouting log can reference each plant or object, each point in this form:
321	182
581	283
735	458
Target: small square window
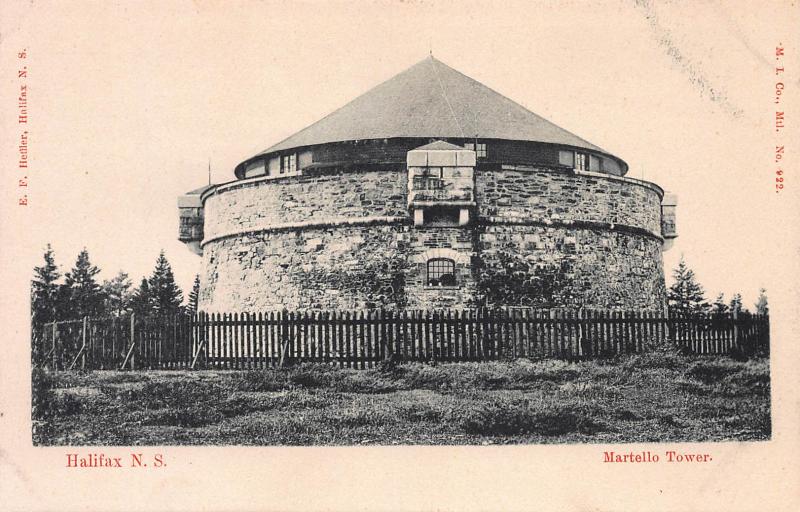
479	149
566	158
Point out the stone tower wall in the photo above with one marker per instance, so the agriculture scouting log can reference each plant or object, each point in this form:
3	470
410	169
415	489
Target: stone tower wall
543	195
544	266
314	199
345	241
349	267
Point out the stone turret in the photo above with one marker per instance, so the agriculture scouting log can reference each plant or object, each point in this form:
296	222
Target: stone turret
669	231
191	219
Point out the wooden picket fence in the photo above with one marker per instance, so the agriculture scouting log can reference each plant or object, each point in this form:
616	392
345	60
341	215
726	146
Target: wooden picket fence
361	339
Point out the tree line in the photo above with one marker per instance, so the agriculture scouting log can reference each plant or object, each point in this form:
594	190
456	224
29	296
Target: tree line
686	297
78	293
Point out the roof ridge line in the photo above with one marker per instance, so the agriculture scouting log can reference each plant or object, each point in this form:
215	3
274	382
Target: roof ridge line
444	93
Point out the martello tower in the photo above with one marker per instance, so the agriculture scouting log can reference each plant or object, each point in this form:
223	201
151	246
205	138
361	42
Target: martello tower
430	190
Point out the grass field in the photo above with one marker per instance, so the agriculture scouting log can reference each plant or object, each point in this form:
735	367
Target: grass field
658	396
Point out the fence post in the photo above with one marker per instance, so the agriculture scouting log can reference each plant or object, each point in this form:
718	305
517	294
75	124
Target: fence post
669	329
130	355
735	316
55	352
283	318
199	345
382	332
83	349
133	341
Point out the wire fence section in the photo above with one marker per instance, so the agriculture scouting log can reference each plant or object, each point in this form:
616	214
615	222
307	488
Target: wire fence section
361	339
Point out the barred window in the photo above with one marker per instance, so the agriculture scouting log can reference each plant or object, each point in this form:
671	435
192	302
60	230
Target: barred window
441	272
427	183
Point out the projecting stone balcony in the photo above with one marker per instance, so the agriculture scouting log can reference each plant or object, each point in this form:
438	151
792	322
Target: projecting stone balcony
440	195
441	184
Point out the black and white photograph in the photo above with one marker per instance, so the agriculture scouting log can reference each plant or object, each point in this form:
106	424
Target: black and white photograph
547	228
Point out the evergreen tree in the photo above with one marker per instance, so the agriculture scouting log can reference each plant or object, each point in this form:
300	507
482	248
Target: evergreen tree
118	294
719	308
736	304
686	296
762	308
141	300
85	295
167	296
194	296
65	309
44	290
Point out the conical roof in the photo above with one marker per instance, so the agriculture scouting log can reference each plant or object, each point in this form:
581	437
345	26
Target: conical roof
431	99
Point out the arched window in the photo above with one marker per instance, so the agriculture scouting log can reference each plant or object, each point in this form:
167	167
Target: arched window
441	272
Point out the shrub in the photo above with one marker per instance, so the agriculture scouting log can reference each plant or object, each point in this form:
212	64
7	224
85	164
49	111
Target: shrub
758	422
626	415
239	404
122	377
709	372
189	418
512	418
419	413
751	379
366	381
692	387
63	404
362	417
312	376
523	373
668	420
663	357
155	395
264	380
49	401
41	385
422	376
738	354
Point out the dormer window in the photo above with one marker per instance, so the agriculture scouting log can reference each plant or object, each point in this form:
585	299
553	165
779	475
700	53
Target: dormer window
289	164
478	148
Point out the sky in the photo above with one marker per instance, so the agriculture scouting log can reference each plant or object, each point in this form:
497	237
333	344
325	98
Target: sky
129	104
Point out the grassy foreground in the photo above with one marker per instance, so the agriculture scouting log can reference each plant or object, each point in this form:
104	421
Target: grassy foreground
658	396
